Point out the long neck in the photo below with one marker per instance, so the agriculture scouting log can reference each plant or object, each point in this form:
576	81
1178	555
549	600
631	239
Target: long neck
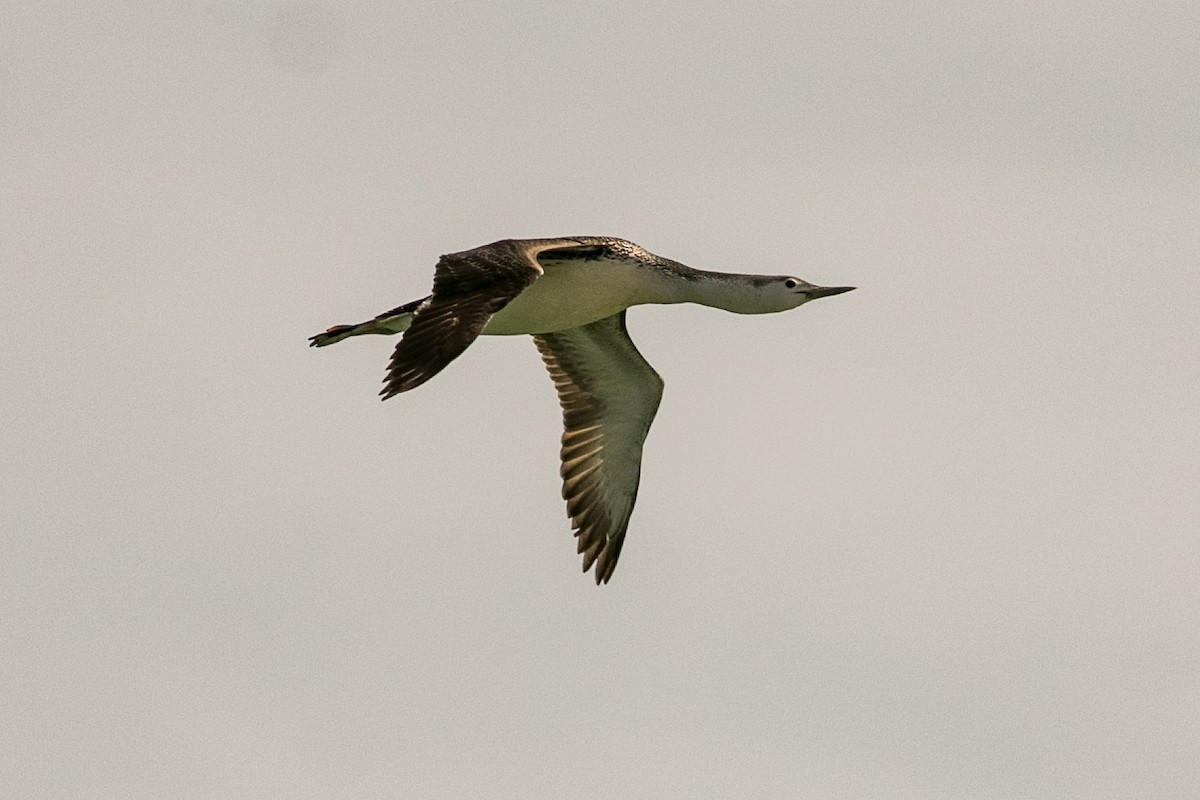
728	291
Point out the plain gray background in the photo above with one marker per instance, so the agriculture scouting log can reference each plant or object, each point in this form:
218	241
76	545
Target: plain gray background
936	538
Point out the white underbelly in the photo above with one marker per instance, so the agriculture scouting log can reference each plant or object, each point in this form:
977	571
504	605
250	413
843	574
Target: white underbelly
567	296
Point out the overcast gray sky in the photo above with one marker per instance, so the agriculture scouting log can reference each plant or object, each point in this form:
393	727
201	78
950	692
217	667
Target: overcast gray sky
936	538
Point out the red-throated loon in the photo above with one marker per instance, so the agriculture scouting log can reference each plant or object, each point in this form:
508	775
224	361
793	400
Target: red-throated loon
571	294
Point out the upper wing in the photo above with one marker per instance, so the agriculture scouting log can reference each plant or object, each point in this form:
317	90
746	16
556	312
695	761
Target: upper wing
468	288
609	396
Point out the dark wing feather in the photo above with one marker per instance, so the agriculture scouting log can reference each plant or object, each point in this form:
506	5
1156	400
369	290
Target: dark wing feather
609	396
468	288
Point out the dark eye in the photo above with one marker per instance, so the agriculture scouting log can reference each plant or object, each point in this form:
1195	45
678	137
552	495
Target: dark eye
791	284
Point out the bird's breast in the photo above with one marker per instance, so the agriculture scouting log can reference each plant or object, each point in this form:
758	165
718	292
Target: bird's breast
567	296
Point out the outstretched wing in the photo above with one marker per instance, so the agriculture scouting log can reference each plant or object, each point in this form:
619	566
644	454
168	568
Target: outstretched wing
468	288
609	395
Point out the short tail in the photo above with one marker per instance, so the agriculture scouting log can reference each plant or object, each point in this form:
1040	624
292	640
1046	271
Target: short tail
337	333
389	323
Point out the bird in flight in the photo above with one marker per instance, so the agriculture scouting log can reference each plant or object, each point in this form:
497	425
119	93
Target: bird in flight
571	294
